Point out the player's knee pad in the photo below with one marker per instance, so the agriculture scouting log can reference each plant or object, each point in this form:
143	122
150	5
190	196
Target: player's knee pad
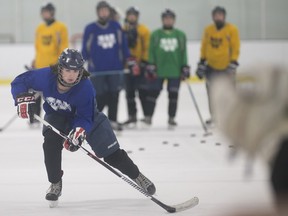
142	93
113	95
118	157
121	161
152	95
112	98
130	95
173	97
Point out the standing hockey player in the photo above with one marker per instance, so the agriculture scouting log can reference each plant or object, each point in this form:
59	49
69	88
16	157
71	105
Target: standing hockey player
167	60
70	106
51	39
138	36
106	50
219	51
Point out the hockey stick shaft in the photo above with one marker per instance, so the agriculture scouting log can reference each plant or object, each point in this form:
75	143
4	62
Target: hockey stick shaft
196	106
107	73
9	122
170	209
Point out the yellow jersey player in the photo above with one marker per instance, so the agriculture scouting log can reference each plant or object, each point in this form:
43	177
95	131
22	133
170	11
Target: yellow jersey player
138	36
220	49
51	39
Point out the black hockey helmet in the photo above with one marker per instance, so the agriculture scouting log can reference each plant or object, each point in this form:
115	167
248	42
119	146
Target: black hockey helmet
102	4
219	9
48	7
70	59
133	10
168	13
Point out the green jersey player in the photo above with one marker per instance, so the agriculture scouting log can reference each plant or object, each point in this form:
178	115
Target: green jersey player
167	60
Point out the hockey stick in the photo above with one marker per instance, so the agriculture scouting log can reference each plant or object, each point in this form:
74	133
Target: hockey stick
28	68
198	111
111	72
9	122
169	208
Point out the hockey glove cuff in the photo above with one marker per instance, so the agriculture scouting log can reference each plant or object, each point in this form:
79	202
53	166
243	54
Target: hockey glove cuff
232	66
77	136
26	104
185	72
201	69
150	72
133	66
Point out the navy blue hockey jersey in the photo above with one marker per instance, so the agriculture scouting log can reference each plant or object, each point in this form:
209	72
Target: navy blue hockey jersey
78	103
105	47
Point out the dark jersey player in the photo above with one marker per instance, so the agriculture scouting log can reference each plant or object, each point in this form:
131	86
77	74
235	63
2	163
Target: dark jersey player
106	50
70	107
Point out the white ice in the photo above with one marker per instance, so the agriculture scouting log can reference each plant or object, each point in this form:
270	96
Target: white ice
179	173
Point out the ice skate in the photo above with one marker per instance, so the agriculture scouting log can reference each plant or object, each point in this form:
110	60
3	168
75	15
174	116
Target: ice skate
145	184
130	123
146	122
53	193
171	123
116	126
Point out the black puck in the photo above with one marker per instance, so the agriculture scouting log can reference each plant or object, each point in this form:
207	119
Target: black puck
141	149
218	143
165	142
129	152
203	141
175	144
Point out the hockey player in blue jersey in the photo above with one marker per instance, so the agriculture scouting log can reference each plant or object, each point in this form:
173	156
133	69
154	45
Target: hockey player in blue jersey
106	50
70	107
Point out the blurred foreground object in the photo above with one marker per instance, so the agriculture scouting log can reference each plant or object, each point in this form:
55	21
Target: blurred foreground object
253	115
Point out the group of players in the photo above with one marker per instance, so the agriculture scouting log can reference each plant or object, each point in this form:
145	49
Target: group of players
69	96
150	58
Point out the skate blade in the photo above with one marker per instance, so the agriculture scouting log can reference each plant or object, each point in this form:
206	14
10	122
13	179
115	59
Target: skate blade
144	126
130	126
172	127
53	204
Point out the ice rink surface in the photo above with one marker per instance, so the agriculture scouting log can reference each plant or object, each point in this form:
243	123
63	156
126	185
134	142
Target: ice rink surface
181	162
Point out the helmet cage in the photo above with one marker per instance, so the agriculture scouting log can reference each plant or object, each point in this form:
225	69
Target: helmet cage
63	82
70	59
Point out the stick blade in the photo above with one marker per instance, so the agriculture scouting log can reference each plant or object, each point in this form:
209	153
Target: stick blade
186	205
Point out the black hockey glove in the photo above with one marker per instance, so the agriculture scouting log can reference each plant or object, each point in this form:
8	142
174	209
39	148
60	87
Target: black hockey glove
133	66
185	72
232	67
150	72
77	136
201	69
143	64
26	105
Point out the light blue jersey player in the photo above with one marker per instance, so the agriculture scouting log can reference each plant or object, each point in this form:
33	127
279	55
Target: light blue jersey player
70	107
